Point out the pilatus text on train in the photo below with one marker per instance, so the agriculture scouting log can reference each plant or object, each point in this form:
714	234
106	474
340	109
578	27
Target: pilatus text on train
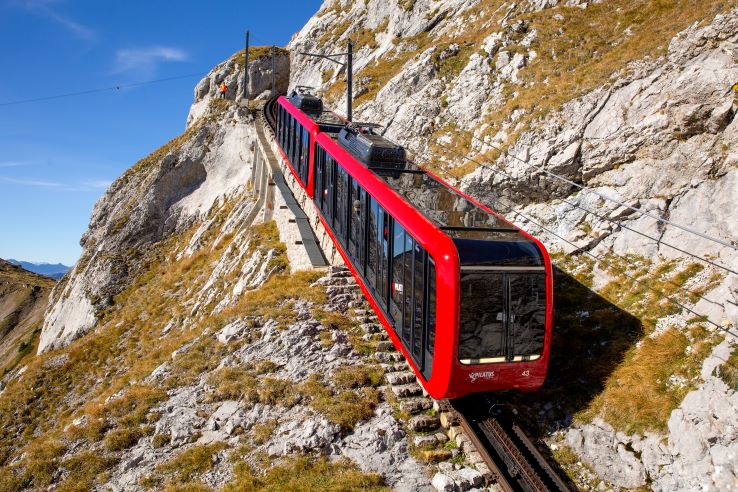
465	295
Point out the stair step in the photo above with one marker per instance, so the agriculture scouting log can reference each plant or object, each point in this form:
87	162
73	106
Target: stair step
407	390
416	405
397	378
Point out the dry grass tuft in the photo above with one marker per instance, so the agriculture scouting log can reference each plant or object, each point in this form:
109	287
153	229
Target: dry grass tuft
305	474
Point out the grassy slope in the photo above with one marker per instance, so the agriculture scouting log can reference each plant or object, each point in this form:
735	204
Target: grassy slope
23	298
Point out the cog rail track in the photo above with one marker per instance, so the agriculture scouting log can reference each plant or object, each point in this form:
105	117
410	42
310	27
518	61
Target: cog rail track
511	455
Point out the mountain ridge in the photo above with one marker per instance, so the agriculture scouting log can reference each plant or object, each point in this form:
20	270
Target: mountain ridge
53	270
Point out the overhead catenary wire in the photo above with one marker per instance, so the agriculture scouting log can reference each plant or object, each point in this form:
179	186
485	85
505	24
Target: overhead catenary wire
609	262
98	90
658	241
578	248
585	188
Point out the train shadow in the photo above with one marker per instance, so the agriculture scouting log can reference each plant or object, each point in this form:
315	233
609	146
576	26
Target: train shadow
591	336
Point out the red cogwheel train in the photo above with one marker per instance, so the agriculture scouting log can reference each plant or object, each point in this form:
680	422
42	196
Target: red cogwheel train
465	295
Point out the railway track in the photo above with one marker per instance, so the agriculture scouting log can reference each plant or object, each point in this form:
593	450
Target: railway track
512	456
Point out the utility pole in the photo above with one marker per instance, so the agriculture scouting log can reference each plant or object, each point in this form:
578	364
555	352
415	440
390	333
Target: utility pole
274	64
350	81
349	66
246	70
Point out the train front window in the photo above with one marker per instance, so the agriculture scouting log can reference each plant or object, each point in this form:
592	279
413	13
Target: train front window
527	307
502	317
482	322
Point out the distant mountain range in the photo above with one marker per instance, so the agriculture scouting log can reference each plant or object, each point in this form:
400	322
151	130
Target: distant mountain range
56	271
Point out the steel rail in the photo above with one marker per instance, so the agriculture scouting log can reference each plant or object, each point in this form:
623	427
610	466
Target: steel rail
512	457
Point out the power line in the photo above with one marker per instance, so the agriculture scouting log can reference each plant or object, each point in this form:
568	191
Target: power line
658	241
609	262
103	89
585	188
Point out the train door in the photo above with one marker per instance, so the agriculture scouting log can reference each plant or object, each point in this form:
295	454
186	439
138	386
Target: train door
329	177
318	185
383	273
416	347
305	157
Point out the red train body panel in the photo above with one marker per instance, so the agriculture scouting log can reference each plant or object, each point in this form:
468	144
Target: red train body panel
447	376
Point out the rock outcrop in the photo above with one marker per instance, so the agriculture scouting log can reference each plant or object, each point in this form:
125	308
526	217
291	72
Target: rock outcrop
162	194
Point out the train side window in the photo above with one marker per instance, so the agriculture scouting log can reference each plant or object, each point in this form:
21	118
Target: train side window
397	288
418	297
299	130
287	134
356	231
318	183
383	276
372	261
408	279
339	210
330	178
431	317
305	158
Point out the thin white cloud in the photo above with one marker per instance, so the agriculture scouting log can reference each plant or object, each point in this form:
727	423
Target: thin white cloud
44	8
31	182
98	183
7	164
145	61
85	186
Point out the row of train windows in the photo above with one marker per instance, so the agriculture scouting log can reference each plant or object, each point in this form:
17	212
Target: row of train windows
295	143
398	270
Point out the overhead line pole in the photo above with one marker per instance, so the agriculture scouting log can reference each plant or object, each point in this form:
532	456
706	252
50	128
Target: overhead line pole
349	66
246	70
274	64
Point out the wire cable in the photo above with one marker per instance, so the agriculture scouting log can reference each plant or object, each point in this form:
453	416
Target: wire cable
609	262
658	241
679	287
582	187
94	91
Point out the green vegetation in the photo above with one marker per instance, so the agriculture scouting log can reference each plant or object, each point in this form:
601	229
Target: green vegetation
344	408
607	360
577	50
639	396
96	377
256	52
305	474
728	371
191	462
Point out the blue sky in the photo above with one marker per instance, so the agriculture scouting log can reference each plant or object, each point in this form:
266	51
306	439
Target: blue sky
58	156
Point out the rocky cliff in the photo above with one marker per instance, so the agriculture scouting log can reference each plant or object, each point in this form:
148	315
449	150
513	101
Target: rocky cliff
608	129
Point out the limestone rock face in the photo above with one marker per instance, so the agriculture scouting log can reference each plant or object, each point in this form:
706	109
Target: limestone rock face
159	196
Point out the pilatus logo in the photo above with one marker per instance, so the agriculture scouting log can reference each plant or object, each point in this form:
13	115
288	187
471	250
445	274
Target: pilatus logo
481	375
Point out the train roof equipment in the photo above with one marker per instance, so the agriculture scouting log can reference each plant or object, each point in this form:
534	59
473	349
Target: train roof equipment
370	148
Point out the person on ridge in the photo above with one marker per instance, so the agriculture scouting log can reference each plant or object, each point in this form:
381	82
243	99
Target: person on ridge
223	89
